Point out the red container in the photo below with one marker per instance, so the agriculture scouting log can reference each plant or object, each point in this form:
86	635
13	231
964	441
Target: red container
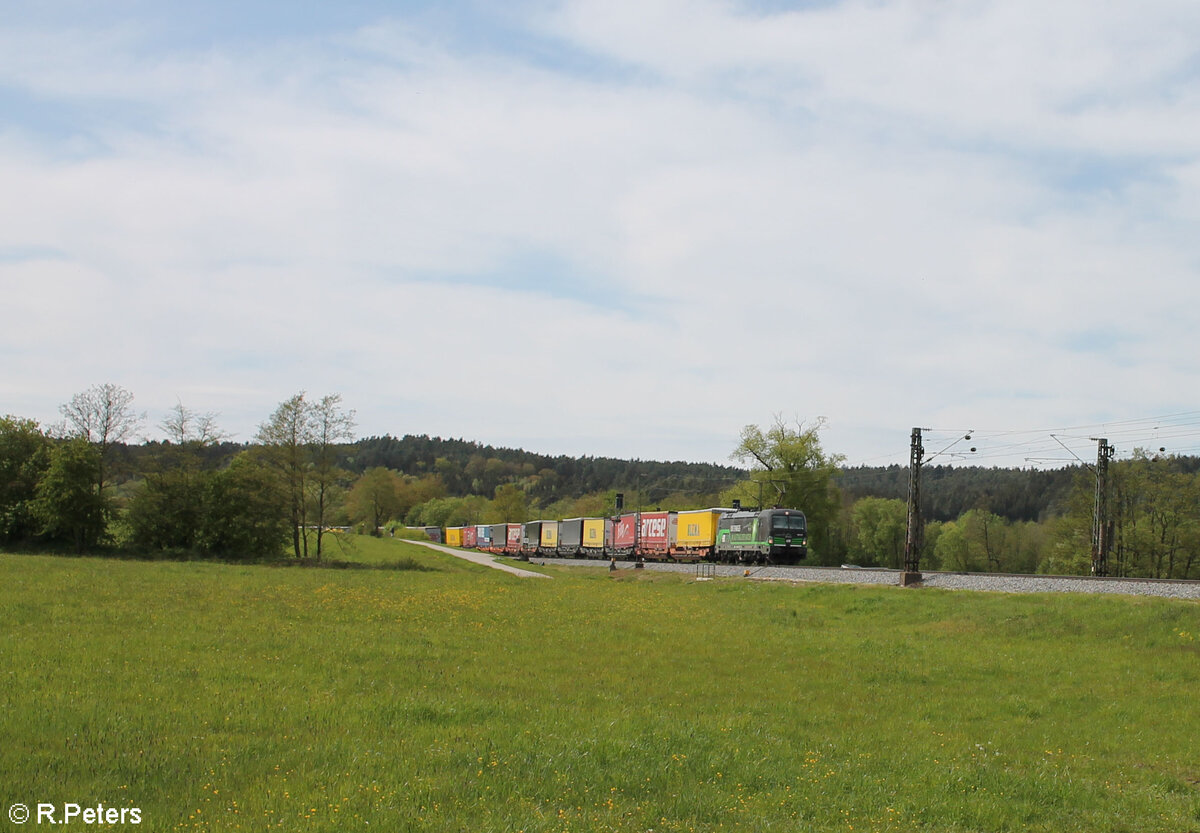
655	534
469	533
624	533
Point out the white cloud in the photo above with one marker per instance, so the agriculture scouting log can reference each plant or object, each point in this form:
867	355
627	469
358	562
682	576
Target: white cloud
886	214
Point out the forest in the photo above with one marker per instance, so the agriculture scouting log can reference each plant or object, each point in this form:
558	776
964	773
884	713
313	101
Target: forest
86	486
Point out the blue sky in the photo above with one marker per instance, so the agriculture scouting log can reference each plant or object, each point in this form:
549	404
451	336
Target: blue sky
608	228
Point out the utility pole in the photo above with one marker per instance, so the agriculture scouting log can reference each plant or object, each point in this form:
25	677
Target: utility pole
1101	526
913	540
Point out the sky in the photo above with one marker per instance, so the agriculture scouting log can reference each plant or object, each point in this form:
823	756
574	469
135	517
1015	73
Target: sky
613	228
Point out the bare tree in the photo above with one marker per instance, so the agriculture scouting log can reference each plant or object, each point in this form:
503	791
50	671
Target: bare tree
328	425
182	425
102	415
300	441
285	437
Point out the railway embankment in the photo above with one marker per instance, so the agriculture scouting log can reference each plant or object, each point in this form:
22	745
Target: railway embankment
989	582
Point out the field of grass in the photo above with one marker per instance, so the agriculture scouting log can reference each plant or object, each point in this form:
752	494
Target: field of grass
436	695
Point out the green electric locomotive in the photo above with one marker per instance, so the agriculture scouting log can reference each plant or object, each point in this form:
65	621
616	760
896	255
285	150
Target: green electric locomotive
777	536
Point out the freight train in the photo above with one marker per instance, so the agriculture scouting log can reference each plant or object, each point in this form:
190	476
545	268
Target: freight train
773	536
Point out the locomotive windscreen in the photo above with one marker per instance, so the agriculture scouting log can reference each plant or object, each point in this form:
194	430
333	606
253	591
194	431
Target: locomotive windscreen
788	522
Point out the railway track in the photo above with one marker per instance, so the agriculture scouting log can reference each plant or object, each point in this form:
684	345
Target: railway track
993	582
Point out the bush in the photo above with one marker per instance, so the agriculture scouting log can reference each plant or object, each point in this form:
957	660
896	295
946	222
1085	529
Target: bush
246	514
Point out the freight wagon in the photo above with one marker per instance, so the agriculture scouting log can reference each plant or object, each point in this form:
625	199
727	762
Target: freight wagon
583	537
539	538
483	537
696	534
497	535
512	538
656	533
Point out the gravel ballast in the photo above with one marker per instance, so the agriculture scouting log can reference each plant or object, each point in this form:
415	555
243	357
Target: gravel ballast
998	583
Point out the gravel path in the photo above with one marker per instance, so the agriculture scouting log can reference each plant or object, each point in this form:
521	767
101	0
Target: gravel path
483	558
947	581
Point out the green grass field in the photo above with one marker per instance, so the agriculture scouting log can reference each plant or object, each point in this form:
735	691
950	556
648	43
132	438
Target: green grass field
430	694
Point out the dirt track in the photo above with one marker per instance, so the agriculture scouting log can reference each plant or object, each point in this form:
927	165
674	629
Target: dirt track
480	558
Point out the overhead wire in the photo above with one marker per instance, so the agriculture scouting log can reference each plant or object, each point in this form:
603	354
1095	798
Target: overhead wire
1158	434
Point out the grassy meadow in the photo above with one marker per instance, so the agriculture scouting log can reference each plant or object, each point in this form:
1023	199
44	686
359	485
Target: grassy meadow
425	693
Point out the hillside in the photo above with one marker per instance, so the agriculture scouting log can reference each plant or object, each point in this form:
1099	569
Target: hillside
468	467
949	491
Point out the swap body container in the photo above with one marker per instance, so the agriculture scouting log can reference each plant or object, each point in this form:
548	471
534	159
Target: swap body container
570	537
498	536
548	542
582	537
595	533
697	532
469	534
538	536
531	536
512	537
454	536
483	537
623	540
655	534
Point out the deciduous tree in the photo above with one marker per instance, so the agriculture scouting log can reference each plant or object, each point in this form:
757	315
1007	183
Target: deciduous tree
510	505
24	456
790	468
284	437
169	508
952	550
103	415
328	425
879	525
375	498
987	537
246	513
69	505
1152	505
182	426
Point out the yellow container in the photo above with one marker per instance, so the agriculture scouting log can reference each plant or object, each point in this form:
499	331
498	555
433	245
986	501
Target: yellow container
549	537
454	536
593	533
698	528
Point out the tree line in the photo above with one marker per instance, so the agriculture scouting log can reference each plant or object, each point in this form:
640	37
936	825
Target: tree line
83	485
193	493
